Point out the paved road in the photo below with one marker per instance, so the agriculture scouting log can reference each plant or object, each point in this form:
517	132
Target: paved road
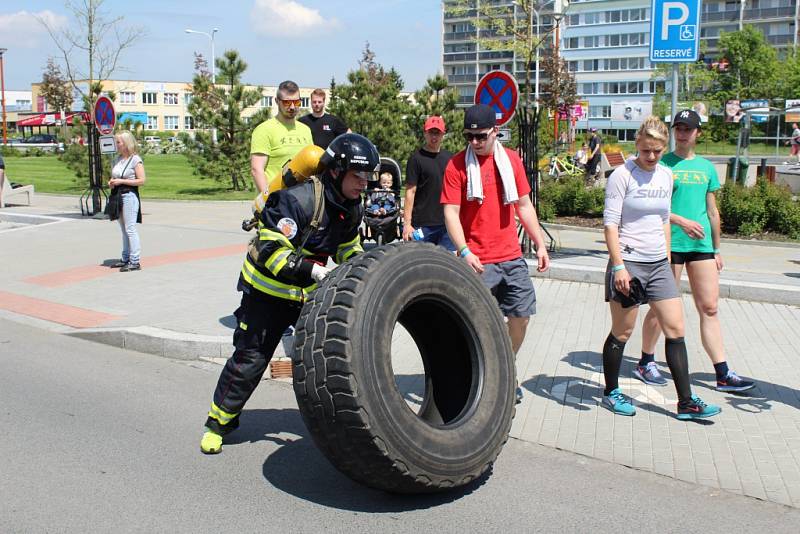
100	439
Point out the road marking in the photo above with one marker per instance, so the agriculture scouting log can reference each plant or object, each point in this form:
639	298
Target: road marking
90	272
54	312
12	218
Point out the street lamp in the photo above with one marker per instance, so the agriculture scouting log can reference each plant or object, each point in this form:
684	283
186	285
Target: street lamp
741	14
213	57
3	95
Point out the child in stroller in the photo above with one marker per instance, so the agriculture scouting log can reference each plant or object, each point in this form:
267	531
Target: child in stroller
382	205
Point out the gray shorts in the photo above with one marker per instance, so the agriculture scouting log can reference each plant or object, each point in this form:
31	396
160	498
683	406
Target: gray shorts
656	278
510	283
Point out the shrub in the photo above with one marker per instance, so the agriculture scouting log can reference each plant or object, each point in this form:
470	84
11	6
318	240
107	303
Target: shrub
764	207
568	197
9	151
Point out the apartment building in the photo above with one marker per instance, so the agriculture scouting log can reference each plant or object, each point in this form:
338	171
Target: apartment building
163	106
606	44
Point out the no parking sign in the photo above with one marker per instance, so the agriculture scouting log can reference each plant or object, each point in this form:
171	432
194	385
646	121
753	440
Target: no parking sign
498	90
104	116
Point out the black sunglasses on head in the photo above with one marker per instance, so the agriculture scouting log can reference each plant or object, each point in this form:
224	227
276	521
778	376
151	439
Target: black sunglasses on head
469	136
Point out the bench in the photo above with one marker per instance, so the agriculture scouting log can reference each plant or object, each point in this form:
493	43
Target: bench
611	160
10	193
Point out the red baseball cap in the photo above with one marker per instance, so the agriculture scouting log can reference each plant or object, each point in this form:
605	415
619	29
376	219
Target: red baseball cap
434	121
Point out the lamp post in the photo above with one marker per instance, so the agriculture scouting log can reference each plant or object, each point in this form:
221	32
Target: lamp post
213	57
3	95
213	68
741	14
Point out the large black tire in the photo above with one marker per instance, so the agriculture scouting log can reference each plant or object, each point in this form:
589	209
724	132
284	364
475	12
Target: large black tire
346	388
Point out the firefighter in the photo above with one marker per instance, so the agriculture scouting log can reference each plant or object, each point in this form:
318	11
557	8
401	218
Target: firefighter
299	229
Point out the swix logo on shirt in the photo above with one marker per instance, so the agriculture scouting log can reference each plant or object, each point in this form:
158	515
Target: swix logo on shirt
651	192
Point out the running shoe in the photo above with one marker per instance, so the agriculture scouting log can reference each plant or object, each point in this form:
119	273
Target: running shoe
118	264
211	442
649	374
733	383
618	403
130	266
697	409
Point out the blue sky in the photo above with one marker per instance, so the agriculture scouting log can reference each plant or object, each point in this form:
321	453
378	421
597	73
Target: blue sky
308	41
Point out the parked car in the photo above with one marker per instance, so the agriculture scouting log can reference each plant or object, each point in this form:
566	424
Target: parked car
41	138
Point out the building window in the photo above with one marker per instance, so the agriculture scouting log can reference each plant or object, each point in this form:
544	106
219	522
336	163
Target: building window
188	122
127	97
171	98
187	98
152	123
149	98
571	43
599	112
591	41
591	18
304	102
171	122
266	101
591	64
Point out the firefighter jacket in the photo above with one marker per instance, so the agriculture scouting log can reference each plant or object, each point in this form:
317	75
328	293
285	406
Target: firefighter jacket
276	265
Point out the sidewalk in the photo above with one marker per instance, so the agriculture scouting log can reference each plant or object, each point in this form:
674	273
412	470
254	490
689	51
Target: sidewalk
180	306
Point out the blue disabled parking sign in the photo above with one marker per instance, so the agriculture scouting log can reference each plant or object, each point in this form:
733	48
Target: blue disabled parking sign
674	31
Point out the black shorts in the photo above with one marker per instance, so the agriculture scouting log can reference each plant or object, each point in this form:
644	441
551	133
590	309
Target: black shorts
679	258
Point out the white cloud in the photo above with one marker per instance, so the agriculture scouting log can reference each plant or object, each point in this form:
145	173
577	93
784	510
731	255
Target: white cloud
288	18
22	29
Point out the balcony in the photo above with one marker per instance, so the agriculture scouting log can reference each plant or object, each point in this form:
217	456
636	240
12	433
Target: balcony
498	54
456	58
461	78
750	15
460	36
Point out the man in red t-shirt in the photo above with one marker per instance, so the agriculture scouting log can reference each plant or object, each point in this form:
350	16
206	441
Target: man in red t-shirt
479	209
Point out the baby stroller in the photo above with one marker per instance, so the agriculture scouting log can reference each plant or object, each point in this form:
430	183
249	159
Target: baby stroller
381	207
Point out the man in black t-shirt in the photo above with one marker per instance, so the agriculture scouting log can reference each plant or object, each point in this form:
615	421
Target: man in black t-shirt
324	126
595	153
423	215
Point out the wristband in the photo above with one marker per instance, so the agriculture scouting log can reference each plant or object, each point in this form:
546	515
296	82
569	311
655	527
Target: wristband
618	268
716	251
464	251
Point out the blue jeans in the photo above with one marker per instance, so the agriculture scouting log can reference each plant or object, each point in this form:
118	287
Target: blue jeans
438	236
131	247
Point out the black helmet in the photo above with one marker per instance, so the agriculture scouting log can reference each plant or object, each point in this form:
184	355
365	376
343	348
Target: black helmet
351	152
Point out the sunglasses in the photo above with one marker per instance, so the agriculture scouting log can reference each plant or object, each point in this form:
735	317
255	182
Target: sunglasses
469	136
289	102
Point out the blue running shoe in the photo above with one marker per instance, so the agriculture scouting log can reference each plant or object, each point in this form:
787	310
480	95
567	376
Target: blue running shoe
649	374
733	383
697	409
618	403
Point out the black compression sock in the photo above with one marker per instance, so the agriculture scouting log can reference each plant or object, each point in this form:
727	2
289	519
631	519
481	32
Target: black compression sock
646	358
721	369
678	362
612	361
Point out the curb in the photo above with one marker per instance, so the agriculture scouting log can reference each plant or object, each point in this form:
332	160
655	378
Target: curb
168	343
732	289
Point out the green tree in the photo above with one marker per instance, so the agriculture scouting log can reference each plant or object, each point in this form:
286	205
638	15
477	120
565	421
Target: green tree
220	108
789	79
754	69
56	91
372	105
438	98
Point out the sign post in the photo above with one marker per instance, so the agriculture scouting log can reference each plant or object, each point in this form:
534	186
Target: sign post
104	118
498	90
674	38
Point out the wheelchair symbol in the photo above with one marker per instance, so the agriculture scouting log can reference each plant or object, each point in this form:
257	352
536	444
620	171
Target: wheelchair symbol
687	32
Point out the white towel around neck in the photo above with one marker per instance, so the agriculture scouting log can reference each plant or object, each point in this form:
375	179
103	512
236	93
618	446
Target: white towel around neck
474	184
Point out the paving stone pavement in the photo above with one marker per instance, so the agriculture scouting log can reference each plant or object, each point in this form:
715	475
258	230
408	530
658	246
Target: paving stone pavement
752	448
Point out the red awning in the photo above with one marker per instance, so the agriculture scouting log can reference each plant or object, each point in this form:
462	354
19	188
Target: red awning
49	119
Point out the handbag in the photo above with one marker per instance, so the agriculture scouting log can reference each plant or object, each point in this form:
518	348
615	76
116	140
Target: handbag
114	202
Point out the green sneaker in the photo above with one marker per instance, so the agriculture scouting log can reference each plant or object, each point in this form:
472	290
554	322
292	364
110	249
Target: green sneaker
211	442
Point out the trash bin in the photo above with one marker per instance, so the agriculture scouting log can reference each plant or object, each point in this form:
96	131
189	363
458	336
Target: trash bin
741	176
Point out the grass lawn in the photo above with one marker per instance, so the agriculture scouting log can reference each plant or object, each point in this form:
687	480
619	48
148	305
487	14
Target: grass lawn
168	177
711	148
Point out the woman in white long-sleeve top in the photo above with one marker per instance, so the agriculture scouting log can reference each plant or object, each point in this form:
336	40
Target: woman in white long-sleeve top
637	232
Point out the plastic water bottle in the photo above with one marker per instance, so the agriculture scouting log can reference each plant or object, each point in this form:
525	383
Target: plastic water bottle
417	234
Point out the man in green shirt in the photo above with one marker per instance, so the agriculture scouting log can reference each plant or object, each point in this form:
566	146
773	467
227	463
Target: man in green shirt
276	140
695	243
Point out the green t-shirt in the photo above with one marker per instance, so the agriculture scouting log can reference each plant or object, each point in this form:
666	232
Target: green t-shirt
279	142
694	179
